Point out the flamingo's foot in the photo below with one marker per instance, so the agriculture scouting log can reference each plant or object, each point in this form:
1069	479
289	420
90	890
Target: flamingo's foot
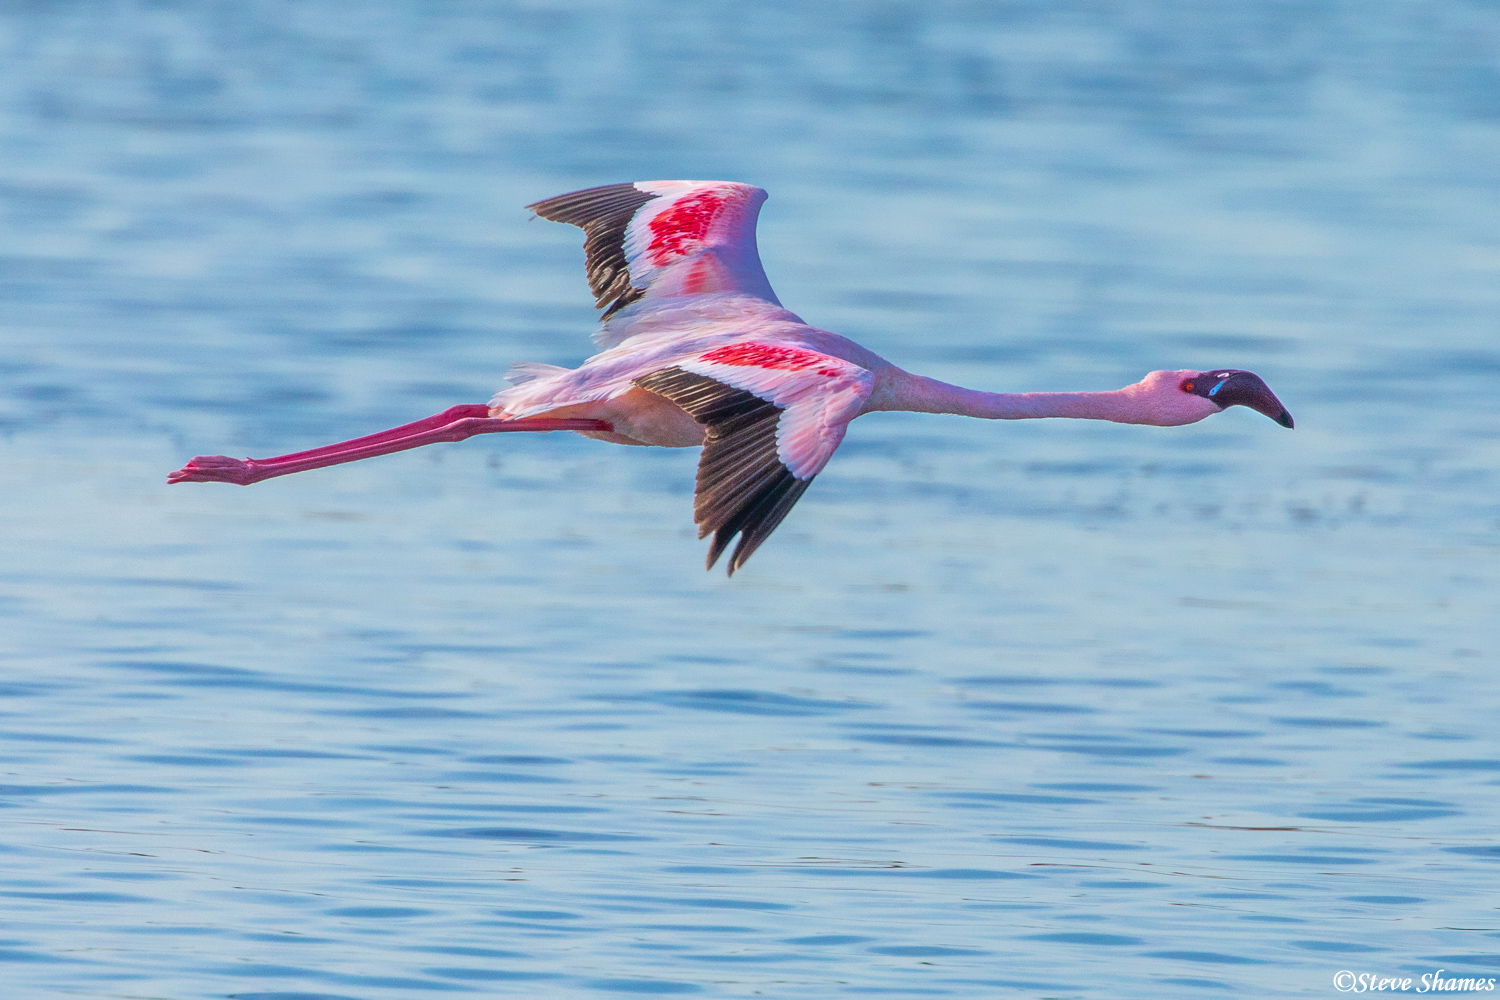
216	469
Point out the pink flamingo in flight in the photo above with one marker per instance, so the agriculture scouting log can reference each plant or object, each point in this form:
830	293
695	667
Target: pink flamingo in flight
697	350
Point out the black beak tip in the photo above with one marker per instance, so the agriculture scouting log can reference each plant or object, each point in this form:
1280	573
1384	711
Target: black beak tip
1233	387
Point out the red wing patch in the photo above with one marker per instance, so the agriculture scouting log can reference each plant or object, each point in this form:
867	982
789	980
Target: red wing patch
789	359
683	227
703	277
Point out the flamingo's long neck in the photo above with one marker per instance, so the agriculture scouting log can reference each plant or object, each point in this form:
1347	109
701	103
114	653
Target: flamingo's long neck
920	394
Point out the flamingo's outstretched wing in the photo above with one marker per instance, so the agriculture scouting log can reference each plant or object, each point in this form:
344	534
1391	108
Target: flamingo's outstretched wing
665	238
773	417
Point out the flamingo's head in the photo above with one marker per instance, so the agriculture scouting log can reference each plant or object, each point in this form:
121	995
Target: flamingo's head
1185	397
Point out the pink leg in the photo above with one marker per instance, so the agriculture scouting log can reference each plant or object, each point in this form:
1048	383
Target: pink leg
443	419
453	424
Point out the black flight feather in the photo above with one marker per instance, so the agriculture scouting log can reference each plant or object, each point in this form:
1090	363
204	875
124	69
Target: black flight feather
743	486
603	213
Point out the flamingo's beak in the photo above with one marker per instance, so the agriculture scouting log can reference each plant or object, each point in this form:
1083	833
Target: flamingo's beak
1230	387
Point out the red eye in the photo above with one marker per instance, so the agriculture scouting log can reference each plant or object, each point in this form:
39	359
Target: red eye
1188	386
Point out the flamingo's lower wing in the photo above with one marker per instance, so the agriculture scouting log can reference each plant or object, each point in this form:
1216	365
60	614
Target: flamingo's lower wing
743	487
766	437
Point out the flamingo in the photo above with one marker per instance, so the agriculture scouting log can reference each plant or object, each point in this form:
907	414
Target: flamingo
696	350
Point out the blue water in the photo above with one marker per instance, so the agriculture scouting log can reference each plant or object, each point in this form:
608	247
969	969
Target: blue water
1049	709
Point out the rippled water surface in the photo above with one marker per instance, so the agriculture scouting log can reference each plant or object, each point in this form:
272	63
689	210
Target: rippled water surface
1038	709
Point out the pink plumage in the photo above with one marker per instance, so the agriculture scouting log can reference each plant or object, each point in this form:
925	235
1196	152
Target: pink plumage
699	351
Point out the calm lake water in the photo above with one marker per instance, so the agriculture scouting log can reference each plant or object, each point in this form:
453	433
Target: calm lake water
1048	709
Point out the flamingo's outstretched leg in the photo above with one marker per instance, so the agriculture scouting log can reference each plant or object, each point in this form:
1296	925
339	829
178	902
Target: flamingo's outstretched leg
453	424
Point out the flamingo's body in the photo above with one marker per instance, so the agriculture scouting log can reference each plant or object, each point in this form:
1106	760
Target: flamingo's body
698	351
